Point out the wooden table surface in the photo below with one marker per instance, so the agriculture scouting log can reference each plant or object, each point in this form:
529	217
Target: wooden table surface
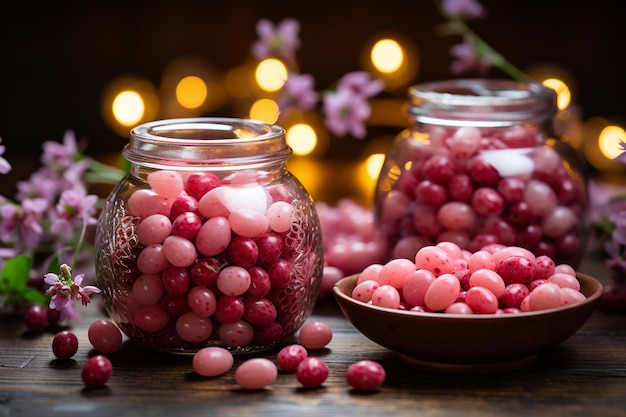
584	376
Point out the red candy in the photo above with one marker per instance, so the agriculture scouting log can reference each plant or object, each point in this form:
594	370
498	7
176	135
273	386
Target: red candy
97	371
365	375
311	372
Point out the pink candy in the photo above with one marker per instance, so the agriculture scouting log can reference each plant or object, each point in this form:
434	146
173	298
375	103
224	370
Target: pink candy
215	260
475	186
495	279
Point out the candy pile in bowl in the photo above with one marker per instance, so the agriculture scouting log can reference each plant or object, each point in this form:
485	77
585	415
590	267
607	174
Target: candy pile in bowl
451	310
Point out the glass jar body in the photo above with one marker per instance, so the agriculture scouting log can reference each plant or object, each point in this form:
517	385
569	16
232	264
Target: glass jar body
209	240
480	165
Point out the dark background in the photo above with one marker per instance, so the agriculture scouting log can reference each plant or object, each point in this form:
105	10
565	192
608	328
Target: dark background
56	58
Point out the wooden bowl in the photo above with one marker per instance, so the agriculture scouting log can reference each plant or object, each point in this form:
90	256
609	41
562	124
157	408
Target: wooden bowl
467	344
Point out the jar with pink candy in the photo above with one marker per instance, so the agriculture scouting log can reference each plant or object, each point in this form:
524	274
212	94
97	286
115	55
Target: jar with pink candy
209	240
480	164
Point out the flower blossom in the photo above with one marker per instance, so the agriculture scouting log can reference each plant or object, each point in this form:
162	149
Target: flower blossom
466	9
74	208
31	220
346	113
5	166
299	92
60	156
347	108
63	288
360	83
468	59
279	41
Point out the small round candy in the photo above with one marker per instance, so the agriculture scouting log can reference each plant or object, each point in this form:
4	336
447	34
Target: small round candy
256	373
290	356
36	318
105	336
365	375
212	361
64	345
315	335
311	372
386	296
96	371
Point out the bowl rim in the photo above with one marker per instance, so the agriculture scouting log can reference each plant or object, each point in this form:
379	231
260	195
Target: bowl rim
349	282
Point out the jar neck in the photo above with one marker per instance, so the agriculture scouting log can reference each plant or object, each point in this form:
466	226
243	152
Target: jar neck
207	144
480	103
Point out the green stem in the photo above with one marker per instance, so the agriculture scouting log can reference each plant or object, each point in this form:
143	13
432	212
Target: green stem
483	49
83	230
100	173
458	26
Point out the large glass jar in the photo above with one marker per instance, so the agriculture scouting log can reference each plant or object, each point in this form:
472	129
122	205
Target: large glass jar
480	164
209	240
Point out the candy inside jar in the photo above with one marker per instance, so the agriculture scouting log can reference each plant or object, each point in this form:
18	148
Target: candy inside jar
222	250
481	166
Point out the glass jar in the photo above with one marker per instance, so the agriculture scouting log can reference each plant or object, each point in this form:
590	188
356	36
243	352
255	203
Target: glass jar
480	164
209	240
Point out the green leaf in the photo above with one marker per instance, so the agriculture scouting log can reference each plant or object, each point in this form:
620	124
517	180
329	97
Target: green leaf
14	281
15	274
35	296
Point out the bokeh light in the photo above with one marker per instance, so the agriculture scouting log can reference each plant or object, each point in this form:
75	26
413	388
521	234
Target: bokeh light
373	164
563	94
387	56
190	87
391	57
265	110
554	76
271	74
128	101
128	108
301	138
191	92
609	141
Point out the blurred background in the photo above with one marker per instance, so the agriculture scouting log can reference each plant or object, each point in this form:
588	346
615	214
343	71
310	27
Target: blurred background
101	67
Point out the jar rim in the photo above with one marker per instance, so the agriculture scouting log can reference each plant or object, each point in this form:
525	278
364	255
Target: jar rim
481	100
206	142
179	130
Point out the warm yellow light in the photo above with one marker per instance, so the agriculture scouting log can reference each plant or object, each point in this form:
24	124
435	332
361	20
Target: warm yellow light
302	139
373	164
238	82
128	108
265	110
387	56
563	94
609	140
271	74
191	92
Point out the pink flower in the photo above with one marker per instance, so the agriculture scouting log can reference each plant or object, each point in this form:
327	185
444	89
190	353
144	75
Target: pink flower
361	84
347	109
31	228
299	92
279	41
74	208
64	289
346	112
466	9
5	166
467	59
60	156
